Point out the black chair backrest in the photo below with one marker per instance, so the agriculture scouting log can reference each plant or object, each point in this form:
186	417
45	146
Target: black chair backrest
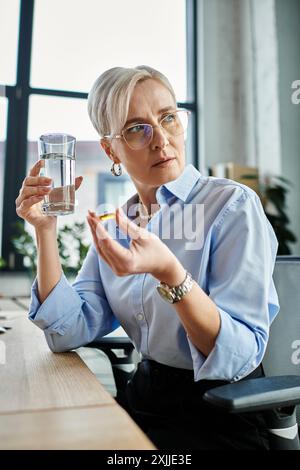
283	352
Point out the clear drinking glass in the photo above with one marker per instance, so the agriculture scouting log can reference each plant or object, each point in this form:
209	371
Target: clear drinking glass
58	153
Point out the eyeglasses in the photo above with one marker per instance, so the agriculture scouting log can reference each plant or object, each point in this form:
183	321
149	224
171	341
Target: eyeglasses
139	136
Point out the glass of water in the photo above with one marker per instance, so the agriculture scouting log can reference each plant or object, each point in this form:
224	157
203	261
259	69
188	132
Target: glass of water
58	154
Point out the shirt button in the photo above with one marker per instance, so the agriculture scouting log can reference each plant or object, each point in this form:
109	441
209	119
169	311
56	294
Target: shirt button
140	316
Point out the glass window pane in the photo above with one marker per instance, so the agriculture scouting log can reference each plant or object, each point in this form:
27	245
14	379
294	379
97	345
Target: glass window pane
94	35
59	114
69	115
9	33
3	118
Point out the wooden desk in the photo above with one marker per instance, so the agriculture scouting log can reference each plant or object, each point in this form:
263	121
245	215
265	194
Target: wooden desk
53	401
34	378
96	427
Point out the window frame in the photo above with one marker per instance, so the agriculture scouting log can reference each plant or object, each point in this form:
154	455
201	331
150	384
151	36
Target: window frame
18	109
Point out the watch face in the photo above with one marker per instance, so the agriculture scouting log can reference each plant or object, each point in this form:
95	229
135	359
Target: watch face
165	294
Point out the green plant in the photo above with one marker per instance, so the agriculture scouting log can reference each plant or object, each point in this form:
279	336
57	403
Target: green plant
72	249
70	243
2	263
273	192
25	245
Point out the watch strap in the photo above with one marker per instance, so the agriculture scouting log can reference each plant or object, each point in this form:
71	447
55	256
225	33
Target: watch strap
176	293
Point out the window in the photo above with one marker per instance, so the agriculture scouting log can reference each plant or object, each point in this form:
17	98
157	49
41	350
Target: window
61	48
9	24
70	115
113	190
3	118
60	114
74	42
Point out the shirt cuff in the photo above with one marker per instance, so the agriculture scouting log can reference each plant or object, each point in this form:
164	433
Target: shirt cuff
224	363
54	312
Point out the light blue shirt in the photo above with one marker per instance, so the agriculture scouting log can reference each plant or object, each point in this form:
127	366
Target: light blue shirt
232	259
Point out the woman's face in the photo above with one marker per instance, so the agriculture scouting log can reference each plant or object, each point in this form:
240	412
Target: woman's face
150	101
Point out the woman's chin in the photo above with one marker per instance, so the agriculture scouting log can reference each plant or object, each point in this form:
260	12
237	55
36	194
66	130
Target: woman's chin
168	172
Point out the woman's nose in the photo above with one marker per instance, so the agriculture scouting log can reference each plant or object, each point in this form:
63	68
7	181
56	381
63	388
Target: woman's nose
160	138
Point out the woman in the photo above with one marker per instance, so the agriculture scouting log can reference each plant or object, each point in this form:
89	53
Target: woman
213	328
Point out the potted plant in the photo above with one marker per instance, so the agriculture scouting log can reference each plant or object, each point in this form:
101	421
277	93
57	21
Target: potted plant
2	263
273	191
72	249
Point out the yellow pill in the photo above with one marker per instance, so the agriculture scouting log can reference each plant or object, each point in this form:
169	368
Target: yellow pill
109	215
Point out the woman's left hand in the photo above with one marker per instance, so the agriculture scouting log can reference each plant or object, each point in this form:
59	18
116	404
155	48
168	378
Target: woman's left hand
146	253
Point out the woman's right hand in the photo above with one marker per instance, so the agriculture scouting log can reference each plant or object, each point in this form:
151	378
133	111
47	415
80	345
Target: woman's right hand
32	193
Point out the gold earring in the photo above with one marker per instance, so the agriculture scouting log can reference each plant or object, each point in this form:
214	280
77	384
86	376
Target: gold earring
118	171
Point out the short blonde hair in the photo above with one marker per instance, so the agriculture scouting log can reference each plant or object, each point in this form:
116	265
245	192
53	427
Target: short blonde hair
109	98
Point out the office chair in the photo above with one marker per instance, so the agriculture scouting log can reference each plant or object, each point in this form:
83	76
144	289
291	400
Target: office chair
123	358
276	394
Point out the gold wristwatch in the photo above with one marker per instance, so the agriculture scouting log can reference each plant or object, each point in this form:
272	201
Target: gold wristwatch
173	294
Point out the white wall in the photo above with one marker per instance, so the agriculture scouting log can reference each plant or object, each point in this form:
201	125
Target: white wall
249	55
288	27
239	83
219	59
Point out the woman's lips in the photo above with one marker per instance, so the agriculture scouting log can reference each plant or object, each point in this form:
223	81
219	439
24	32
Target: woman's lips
164	163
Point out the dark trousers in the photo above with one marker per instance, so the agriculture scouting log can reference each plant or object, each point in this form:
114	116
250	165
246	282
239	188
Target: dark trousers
168	405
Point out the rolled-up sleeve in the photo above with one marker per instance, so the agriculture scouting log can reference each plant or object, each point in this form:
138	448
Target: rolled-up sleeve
242	258
74	315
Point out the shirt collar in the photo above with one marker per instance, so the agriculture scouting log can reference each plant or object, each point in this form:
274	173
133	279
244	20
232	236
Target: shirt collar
183	185
180	188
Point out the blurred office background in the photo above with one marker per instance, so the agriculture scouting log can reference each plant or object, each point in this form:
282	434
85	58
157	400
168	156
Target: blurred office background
233	63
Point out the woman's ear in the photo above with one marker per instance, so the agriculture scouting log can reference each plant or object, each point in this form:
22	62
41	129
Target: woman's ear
106	145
